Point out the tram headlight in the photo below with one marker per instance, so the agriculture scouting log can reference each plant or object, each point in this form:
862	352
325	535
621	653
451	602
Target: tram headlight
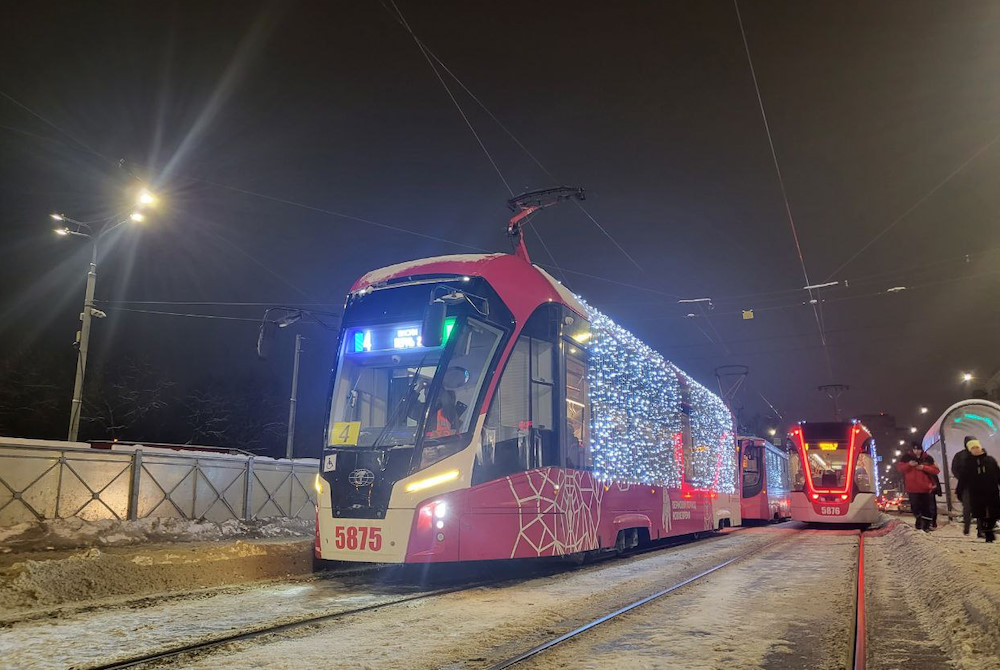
440	510
843	496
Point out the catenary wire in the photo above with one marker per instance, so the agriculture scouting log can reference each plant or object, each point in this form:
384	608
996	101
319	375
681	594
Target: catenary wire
892	224
781	184
429	53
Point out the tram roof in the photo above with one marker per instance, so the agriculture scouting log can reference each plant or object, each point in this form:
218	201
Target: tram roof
508	274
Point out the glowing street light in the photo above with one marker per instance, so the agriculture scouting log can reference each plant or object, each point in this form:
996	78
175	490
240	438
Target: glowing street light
924	410
899	453
913	430
966	376
902	442
772	432
94	234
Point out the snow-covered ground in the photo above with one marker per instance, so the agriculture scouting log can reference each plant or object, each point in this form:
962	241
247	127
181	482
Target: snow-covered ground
127	560
449	630
788	607
935	599
950	584
74	533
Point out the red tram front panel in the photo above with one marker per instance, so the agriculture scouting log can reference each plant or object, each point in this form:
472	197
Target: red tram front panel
833	473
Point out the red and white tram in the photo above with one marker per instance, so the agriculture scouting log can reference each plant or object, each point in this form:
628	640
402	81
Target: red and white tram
765	481
833	472
479	410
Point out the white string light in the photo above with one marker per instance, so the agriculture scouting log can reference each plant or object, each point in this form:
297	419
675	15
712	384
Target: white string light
642	430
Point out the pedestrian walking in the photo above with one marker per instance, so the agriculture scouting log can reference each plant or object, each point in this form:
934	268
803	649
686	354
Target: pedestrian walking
961	492
936	492
980	476
918	471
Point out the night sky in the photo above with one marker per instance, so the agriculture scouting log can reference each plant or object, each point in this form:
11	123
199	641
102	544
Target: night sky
295	143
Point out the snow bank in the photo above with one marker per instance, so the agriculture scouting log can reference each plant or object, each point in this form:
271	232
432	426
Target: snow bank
121	573
75	533
954	582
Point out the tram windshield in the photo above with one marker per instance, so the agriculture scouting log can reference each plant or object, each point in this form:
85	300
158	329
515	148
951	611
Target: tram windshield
389	385
827	467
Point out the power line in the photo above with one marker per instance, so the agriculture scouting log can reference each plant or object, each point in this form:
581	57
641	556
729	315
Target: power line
188	315
784	194
917	204
213	303
451	95
429	53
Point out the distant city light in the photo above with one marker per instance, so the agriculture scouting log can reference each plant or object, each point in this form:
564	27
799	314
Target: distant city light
924	410
913	429
902	442
899	453
772	432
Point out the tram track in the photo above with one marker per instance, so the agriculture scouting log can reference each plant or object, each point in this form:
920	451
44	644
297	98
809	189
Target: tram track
859	650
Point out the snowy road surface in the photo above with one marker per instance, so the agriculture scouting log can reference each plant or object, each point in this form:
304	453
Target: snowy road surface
788	607
932	603
430	633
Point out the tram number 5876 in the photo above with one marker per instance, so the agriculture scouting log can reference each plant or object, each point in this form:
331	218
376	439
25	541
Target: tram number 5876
829	510
357	538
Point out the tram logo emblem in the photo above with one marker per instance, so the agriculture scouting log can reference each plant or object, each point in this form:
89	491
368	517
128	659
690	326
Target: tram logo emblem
361	477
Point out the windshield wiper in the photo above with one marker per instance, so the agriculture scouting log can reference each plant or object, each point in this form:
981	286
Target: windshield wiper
391	419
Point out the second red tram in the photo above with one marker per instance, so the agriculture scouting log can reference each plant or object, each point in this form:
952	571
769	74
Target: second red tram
765	492
833	473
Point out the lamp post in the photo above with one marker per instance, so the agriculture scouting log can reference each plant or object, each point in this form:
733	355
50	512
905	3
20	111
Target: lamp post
83	229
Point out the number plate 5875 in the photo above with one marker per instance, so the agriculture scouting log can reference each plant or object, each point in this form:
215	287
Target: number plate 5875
357	538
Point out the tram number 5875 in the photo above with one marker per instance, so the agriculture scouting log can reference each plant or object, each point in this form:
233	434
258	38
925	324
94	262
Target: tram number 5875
357	538
829	510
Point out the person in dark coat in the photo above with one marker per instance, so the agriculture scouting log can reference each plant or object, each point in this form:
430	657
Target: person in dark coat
957	466
918	471
980	476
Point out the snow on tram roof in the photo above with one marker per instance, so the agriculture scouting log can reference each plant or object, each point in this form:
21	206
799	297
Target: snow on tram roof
408	268
471	264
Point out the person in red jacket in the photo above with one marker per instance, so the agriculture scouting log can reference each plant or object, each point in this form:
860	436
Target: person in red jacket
918	479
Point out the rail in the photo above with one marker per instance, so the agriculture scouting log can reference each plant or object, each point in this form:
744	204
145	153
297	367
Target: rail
859	650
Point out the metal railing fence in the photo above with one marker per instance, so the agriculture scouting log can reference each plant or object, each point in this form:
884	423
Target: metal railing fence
50	482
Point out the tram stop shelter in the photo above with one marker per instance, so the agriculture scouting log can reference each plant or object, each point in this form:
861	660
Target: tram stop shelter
978	418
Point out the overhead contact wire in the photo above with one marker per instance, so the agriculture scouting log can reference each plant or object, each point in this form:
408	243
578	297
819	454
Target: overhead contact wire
781	184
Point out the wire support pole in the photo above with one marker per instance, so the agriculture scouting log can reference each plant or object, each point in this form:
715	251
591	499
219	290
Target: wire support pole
293	400
83	345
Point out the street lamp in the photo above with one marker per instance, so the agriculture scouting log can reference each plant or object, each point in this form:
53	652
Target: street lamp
924	410
772	431
899	453
913	430
966	376
83	229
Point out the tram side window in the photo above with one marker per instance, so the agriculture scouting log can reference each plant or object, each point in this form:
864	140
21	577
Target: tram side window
864	471
752	479
797	477
519	432
578	455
